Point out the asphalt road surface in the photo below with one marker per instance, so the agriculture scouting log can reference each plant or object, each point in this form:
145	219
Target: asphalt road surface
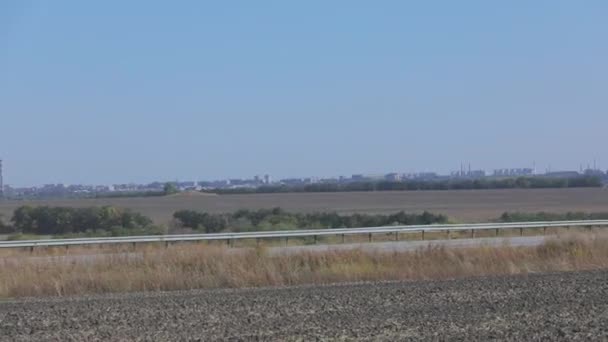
560	306
409	246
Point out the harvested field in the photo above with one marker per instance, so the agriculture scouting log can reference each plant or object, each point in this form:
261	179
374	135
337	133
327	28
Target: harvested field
459	205
542	307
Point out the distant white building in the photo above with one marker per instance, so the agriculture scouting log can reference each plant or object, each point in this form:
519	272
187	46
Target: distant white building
393	177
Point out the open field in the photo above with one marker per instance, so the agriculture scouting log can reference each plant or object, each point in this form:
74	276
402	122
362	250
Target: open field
548	307
459	205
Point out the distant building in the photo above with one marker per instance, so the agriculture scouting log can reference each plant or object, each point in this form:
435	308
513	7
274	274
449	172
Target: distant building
477	174
513	172
594	172
425	175
563	174
468	174
237	181
358	178
374	177
292	181
393	177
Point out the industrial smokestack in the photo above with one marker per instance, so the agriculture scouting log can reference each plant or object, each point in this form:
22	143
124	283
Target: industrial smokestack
1	181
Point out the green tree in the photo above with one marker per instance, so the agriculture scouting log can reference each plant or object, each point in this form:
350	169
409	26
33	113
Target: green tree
170	188
109	217
4	228
190	218
22	218
66	220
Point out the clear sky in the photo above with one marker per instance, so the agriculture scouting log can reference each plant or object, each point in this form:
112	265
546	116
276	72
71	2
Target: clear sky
120	91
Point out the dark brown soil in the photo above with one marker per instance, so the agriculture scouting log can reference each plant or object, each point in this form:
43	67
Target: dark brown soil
549	307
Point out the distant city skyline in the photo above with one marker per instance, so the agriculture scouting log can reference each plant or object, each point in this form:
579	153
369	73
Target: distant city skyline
465	167
137	91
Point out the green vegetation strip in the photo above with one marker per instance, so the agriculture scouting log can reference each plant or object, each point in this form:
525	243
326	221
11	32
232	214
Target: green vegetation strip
419	185
30	222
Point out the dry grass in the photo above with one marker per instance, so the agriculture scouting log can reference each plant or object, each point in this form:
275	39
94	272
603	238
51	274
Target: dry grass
197	266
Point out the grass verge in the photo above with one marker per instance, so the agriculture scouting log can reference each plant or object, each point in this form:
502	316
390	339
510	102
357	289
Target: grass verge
198	266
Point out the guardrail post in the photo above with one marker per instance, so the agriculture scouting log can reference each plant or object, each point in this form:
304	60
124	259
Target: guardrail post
257	242
305	234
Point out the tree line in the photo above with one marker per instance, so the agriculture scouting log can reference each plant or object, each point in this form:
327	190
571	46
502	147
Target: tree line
545	216
278	219
413	185
112	221
105	220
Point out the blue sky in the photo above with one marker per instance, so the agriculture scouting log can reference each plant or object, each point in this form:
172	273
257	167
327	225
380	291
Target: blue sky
120	91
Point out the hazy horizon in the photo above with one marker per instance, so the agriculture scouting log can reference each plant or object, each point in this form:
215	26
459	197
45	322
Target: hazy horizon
114	92
151	179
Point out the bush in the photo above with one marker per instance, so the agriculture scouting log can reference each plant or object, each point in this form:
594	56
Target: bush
4	228
196	220
544	216
65	220
21	237
278	219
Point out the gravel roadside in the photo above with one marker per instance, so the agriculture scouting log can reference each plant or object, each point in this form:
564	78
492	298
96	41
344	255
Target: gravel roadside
560	306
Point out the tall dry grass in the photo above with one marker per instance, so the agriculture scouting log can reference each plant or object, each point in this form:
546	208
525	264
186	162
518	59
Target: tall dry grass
197	266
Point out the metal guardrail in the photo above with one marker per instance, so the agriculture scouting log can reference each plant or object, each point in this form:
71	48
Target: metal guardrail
230	237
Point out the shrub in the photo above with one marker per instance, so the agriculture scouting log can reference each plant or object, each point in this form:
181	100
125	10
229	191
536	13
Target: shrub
277	218
66	220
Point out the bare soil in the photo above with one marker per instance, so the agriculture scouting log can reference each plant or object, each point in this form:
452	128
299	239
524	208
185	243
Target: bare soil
542	307
459	205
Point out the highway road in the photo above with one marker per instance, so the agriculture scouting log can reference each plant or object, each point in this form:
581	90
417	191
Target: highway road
538	307
407	246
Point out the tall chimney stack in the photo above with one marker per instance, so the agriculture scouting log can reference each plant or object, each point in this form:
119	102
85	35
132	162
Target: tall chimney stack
1	181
